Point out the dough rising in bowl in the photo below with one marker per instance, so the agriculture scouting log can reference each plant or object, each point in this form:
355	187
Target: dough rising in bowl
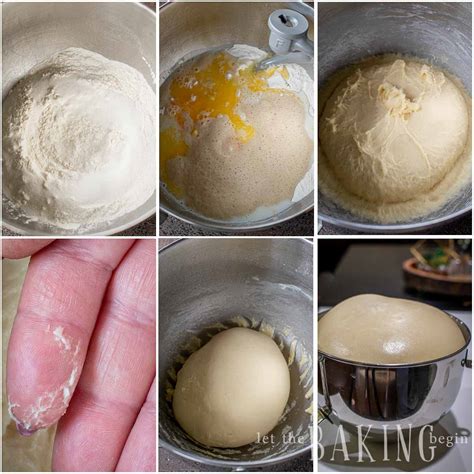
395	140
233	389
374	329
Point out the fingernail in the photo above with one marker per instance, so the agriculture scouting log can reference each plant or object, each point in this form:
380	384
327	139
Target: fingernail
24	431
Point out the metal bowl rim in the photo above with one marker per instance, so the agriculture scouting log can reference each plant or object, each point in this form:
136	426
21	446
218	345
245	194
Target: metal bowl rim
230	227
395	228
135	4
111	231
460	324
250	464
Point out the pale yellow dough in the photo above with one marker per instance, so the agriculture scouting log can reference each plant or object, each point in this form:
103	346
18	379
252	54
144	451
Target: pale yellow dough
390	135
375	329
233	389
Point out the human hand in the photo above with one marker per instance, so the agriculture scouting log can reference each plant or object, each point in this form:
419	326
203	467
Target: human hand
84	340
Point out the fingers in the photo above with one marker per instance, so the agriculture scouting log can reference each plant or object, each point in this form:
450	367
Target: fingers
21	248
139	453
60	300
118	372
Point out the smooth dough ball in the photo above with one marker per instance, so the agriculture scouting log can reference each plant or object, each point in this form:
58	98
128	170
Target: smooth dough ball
392	131
375	329
232	389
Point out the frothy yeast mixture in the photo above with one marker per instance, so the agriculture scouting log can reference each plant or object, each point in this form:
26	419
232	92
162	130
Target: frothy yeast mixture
394	139
233	139
79	140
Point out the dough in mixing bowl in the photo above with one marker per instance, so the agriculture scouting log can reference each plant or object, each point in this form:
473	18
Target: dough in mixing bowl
233	139
395	140
79	141
379	330
232	389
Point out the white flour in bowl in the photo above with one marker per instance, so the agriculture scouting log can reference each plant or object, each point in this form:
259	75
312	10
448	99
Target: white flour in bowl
79	140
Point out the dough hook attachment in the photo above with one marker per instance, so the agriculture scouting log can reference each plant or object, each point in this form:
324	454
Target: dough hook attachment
288	39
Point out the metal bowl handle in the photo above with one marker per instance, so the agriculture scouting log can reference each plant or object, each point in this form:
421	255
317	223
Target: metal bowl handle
467	362
323	414
325	410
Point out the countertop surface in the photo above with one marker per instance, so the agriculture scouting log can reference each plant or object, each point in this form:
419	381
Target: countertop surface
302	226
457	421
461	226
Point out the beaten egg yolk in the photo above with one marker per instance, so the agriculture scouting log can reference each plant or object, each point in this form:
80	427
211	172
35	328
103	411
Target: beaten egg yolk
213	91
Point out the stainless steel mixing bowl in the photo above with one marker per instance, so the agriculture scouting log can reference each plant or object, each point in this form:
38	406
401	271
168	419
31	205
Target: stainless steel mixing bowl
437	32
186	28
207	285
385	397
123	31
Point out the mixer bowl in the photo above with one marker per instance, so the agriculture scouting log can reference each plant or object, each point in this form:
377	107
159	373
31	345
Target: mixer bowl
207	285
437	32
34	31
385	397
186	28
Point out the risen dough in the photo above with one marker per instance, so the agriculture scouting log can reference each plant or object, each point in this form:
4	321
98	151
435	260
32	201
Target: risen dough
379	330
390	133
232	389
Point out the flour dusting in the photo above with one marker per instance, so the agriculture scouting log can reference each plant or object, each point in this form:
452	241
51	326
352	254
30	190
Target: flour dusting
79	141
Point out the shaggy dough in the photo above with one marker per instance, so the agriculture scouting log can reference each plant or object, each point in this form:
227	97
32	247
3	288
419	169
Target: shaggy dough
19	453
379	330
391	133
232	389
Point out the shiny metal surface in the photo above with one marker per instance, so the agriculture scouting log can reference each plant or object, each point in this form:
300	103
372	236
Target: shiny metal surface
204	285
187	28
31	32
386	396
438	32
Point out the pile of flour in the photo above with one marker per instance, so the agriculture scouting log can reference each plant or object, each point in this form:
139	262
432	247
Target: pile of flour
79	141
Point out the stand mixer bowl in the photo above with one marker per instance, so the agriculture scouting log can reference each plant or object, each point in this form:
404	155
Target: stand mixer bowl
208	285
186	28
436	32
32	32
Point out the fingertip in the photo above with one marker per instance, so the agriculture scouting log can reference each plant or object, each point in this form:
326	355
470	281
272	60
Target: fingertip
24	431
43	368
